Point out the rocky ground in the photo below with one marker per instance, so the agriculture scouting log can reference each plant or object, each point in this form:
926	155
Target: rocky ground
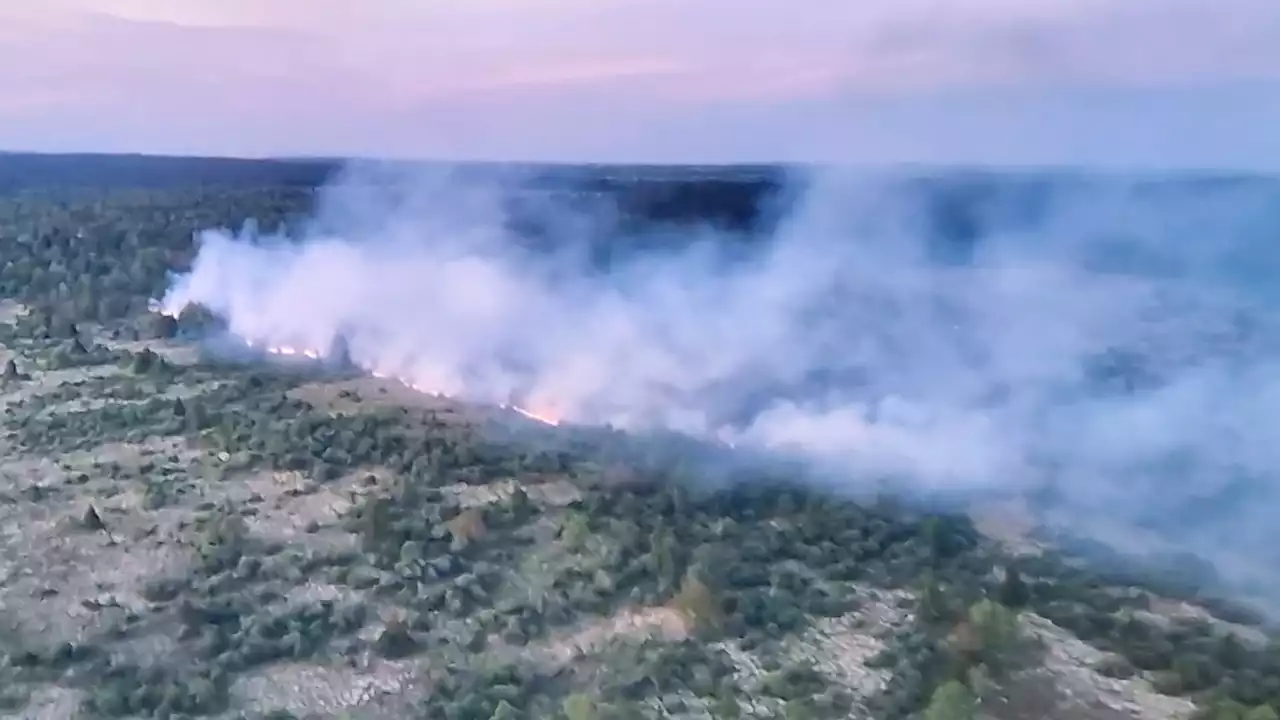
119	549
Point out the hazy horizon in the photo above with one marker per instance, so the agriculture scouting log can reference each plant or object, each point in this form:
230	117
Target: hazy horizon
992	82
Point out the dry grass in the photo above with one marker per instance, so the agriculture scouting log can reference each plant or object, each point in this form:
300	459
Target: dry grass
371	394
630	624
468	526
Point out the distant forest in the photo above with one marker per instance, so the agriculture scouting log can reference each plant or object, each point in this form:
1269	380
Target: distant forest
733	197
956	206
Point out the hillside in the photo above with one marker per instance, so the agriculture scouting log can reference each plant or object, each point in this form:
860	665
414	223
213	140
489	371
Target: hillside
189	537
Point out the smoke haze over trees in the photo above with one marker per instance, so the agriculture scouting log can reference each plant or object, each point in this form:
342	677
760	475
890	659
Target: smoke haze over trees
1105	343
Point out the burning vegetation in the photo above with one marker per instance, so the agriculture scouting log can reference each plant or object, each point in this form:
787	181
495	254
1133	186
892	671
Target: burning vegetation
201	539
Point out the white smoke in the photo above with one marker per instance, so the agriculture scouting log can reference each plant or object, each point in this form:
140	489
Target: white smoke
967	374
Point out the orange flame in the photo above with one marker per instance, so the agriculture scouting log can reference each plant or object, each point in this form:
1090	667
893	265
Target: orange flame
542	416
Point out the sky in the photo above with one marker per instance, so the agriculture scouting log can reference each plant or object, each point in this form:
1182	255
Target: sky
1192	83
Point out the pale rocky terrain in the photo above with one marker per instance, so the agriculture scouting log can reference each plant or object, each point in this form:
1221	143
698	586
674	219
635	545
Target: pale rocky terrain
127	590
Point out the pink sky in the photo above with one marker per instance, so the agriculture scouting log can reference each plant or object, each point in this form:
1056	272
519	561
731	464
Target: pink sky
1023	81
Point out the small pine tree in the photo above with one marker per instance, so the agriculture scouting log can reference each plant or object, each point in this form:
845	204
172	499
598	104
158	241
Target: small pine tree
1014	591
196	418
11	371
161	327
1227	709
395	640
996	625
1262	712
980	682
93	521
986	636
951	701
933	603
574	530
144	361
506	711
726	705
697	602
520	504
799	709
580	707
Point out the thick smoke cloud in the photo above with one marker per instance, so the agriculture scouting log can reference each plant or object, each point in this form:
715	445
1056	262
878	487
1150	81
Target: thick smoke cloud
1105	344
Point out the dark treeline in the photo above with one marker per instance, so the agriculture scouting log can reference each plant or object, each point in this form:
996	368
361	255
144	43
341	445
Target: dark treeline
958	206
29	171
733	197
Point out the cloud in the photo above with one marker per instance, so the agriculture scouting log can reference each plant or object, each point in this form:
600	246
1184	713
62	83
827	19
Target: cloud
613	79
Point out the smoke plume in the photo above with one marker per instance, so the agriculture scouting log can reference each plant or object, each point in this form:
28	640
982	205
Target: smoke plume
1106	343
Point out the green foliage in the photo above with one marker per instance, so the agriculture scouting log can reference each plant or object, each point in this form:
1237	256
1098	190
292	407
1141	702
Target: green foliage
799	709
795	682
580	707
506	711
756	561
996	627
396	641
697	602
934	605
132	691
1014	592
951	701
574	530
726	705
1262	712
980	682
1225	709
11	374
